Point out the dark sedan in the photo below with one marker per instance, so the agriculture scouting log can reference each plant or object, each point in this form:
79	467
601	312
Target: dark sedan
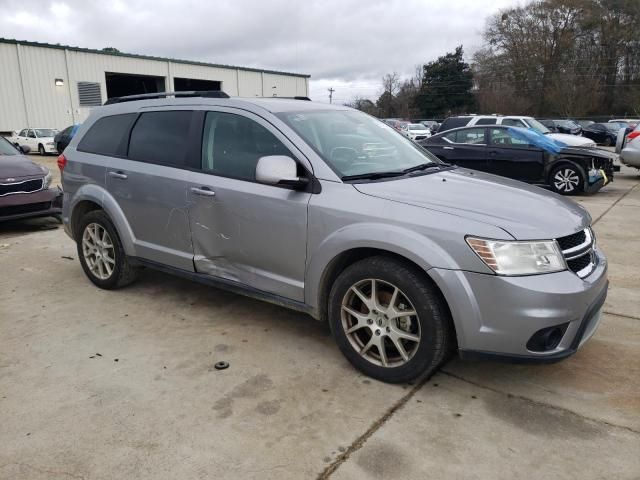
602	133
63	138
562	126
24	187
525	155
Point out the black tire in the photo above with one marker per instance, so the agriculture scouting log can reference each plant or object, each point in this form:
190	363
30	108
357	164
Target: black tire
433	319
570	171
41	150
123	272
608	141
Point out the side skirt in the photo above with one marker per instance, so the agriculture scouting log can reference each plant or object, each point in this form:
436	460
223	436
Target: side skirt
228	285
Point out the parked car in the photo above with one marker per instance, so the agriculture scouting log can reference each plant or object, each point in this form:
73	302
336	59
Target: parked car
37	139
630	148
562	126
432	125
602	133
25	186
324	209
523	155
514	121
416	131
625	122
584	123
63	137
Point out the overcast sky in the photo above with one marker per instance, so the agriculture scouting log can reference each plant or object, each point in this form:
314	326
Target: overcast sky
344	44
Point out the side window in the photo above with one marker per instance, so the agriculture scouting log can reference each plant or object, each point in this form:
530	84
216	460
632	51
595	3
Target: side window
513	122
232	145
23	133
31	134
502	137
161	137
486	121
472	136
107	136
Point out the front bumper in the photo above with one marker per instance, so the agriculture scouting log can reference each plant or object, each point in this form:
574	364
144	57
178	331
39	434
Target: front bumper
495	316
44	203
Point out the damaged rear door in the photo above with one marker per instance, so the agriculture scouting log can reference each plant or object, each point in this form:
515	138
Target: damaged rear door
150	183
244	231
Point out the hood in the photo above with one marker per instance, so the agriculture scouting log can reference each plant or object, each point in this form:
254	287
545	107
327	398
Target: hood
524	211
572	140
19	166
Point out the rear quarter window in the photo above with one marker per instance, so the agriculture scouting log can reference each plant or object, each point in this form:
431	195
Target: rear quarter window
453	122
107	136
161	138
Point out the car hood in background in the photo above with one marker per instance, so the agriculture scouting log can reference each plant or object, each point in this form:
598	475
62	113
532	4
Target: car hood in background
524	211
18	166
572	140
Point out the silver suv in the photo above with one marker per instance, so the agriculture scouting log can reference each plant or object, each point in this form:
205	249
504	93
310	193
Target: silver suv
331	212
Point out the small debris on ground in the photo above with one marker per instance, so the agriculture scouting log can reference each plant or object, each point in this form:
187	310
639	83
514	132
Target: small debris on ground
66	257
221	365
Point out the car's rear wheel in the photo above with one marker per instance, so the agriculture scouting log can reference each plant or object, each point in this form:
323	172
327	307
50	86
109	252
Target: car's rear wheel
41	150
608	141
101	254
566	180
388	320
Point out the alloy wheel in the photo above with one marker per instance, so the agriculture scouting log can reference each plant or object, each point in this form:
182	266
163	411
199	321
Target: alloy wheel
98	251
566	180
380	323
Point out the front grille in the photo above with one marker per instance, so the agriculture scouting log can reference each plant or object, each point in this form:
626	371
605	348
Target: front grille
571	241
28	186
22	209
577	250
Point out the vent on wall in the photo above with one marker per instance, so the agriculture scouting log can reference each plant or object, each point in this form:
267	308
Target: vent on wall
89	94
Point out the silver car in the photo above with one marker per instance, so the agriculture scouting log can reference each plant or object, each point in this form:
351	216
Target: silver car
331	212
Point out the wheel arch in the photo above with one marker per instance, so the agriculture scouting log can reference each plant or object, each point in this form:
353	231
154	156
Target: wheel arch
568	161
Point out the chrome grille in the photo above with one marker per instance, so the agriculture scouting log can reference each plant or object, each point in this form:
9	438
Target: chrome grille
26	186
577	250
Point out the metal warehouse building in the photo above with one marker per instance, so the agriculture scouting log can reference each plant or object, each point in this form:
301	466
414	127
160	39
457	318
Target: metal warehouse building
53	86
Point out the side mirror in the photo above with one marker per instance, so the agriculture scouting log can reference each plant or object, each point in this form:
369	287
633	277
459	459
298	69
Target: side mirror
279	170
24	148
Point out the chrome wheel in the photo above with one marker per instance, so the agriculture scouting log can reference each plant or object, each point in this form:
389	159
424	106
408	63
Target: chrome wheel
566	180
380	323
98	251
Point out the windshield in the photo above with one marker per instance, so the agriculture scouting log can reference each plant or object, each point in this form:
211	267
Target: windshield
537	126
6	148
353	143
614	126
417	126
46	132
567	124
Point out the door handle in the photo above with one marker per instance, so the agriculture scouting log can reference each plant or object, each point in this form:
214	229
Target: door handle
118	175
204	191
447	148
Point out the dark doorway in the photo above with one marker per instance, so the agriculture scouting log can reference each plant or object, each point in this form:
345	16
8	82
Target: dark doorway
189	84
122	84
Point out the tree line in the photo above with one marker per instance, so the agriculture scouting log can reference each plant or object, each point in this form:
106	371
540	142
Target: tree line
566	58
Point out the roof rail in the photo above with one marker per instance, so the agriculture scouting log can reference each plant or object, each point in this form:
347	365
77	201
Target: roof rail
292	98
149	96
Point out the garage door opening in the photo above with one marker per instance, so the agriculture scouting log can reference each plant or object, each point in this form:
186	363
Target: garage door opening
122	84
189	84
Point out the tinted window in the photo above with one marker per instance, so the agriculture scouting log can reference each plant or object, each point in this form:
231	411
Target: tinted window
513	122
502	136
23	133
453	122
161	137
31	134
486	121
232	145
107	135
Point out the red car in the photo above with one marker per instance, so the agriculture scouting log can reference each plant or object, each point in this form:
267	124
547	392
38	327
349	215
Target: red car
24	186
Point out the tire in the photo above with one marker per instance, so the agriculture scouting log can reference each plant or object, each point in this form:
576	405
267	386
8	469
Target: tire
381	325
41	150
608	142
567	179
121	272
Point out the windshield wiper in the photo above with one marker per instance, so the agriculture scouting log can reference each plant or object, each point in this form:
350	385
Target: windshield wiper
421	166
373	175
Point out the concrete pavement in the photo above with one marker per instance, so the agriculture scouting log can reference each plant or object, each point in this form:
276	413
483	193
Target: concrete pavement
98	385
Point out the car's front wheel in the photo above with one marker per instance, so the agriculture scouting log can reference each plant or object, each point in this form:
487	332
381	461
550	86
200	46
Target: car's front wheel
101	254
566	180
389	320
41	150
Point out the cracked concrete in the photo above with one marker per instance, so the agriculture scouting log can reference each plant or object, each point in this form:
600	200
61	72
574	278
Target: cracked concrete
290	406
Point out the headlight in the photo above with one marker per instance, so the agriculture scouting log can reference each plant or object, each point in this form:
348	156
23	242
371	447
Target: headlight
519	258
47	181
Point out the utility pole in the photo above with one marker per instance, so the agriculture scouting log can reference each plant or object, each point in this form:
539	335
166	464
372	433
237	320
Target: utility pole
331	90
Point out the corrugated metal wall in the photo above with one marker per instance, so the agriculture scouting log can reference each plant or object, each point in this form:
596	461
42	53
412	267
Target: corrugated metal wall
34	69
